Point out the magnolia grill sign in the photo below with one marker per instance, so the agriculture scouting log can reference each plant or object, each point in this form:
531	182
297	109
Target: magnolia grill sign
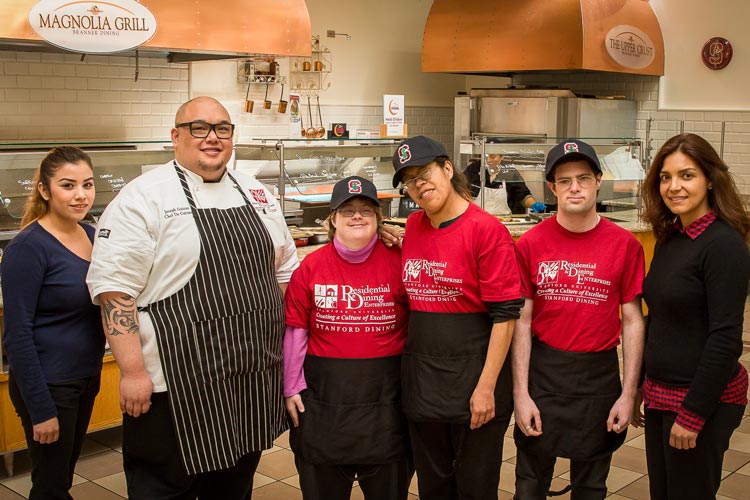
629	47
93	27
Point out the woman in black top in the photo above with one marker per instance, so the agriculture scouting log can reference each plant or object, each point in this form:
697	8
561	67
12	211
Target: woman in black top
53	332
695	389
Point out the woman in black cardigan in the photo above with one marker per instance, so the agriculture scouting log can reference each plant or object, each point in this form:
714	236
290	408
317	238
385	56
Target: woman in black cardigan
695	390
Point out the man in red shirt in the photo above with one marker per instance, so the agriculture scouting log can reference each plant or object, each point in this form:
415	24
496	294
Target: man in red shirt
579	274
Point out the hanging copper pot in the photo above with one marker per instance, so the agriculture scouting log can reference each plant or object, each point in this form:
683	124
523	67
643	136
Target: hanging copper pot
282	102
249	103
266	102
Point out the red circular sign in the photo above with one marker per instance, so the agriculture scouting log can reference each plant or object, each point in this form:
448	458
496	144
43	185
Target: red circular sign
717	53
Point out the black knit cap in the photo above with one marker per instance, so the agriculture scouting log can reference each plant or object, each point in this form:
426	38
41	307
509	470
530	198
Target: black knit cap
570	150
415	151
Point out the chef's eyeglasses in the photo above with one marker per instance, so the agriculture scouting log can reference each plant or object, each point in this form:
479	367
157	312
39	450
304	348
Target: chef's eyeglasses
200	130
423	175
585	181
350	211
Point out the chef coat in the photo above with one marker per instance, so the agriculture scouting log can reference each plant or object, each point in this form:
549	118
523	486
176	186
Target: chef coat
147	244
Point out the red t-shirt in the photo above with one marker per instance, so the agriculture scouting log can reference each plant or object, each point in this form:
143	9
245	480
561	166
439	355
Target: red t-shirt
578	281
351	310
458	268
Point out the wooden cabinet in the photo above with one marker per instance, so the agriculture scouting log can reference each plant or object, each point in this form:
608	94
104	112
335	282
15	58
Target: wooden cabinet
106	408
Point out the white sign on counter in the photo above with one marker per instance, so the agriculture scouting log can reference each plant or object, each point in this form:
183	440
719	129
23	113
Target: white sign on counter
93	27
393	115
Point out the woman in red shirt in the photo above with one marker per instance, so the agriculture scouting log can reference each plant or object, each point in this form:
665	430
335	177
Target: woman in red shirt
346	316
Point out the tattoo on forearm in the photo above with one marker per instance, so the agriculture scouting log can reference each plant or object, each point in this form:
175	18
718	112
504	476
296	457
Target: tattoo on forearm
120	315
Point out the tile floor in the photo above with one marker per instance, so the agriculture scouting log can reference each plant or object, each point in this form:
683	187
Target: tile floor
99	474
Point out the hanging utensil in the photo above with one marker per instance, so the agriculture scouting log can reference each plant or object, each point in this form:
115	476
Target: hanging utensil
303	133
266	102
282	102
310	132
249	104
320	132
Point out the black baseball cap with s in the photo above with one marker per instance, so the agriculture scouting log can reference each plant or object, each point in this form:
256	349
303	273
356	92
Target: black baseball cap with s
570	150
351	187
416	151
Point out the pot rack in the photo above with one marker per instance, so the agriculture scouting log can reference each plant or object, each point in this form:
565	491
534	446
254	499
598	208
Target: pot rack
248	72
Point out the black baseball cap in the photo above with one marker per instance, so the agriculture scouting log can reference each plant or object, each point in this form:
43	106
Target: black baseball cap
415	151
570	150
351	187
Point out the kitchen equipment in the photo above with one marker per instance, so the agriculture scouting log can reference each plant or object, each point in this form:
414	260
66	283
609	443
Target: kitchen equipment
310	132
318	236
520	118
320	132
318	66
249	104
301	238
266	102
282	102
306	66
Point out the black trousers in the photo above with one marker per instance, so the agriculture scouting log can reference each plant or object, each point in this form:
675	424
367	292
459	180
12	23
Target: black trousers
334	482
53	464
454	462
154	470
534	476
688	474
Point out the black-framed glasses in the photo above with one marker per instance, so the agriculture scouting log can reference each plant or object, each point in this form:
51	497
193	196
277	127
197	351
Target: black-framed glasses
421	176
585	181
350	211
200	130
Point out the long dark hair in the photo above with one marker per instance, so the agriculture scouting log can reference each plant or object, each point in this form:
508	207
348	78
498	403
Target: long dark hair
723	198
459	181
36	206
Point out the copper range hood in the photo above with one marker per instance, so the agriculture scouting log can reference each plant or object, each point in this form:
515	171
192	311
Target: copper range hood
195	30
512	36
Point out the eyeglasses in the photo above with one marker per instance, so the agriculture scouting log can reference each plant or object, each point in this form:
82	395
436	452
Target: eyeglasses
200	130
585	181
423	175
363	211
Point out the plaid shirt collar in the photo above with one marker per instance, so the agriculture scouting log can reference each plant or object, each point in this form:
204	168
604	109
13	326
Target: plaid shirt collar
696	227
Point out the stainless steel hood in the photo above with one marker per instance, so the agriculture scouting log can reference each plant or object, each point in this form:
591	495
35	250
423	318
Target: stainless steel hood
200	29
512	36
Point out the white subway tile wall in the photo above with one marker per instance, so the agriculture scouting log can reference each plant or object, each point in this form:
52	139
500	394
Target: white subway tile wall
60	97
57	97
665	124
51	97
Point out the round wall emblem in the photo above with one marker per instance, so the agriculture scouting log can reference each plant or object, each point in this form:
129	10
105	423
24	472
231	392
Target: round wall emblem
717	53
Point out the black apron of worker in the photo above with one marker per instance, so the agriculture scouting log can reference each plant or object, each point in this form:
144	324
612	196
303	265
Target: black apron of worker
352	412
442	361
574	392
219	340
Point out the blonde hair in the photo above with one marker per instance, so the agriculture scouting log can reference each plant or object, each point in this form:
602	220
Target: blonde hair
36	206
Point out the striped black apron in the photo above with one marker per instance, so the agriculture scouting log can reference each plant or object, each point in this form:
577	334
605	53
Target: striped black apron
219	340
